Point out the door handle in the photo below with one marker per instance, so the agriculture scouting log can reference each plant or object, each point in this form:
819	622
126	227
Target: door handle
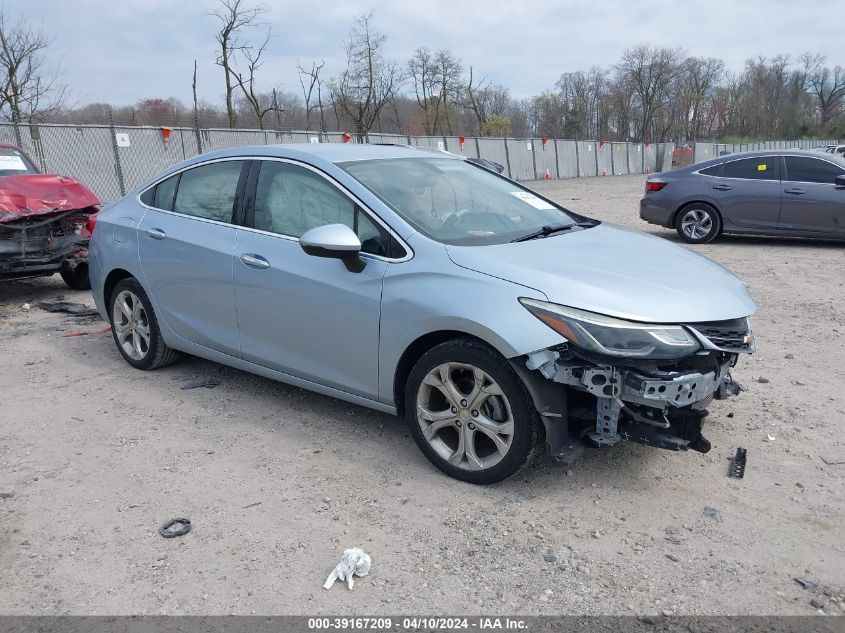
722	187
156	234
255	261
794	190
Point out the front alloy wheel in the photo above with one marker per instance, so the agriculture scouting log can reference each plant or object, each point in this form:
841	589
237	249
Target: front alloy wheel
470	413
464	416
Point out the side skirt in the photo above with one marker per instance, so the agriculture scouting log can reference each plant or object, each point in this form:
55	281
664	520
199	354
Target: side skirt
266	372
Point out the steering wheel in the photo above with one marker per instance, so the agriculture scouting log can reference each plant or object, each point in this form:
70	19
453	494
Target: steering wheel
457	219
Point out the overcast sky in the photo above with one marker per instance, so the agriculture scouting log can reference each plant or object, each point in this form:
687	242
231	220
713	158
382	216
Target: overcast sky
120	51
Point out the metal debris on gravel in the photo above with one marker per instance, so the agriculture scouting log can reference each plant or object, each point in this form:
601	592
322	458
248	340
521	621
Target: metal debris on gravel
208	383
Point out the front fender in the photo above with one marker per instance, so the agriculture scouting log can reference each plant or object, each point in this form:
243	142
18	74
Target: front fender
417	302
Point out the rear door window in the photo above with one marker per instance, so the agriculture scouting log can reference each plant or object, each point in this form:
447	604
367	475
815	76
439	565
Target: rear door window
762	168
806	169
209	191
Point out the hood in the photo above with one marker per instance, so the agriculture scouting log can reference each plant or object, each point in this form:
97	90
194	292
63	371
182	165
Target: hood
41	194
618	272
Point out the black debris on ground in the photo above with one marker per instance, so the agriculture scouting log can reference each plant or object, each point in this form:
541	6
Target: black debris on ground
208	383
806	583
76	309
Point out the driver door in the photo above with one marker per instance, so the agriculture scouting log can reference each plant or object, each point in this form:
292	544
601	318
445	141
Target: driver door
308	316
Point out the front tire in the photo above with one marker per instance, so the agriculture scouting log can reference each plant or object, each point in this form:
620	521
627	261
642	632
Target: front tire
470	414
135	327
698	223
76	277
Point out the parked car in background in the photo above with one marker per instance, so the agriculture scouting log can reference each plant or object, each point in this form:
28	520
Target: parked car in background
836	150
45	222
419	283
488	164
791	193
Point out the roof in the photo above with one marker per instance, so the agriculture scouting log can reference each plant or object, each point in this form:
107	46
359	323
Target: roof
754	154
321	155
329	152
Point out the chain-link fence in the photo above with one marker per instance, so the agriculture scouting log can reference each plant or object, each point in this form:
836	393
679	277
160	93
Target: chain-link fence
113	160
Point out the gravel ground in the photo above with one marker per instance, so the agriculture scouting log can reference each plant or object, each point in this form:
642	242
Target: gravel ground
278	481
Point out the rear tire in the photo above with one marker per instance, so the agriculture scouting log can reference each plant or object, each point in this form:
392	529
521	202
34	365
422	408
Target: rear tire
470	413
698	223
76	277
135	327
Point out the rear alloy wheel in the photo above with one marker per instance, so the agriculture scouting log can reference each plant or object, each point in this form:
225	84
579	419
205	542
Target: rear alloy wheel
470	413
698	224
135	328
75	275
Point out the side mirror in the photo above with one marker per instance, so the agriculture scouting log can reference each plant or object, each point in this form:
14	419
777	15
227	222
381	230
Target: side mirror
331	240
839	181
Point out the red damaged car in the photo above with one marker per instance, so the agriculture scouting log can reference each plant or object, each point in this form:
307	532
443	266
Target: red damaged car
45	222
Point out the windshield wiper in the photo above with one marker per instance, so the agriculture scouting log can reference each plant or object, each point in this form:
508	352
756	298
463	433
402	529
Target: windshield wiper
544	232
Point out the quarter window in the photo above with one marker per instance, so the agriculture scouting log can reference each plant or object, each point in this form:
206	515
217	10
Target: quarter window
290	200
804	169
762	168
164	193
209	191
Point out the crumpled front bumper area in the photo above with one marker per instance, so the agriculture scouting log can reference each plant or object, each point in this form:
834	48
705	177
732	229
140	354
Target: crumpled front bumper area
648	404
36	246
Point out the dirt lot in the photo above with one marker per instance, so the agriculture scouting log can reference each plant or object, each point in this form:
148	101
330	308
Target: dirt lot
278	481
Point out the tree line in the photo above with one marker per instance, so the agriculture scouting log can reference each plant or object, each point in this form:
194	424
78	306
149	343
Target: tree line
651	94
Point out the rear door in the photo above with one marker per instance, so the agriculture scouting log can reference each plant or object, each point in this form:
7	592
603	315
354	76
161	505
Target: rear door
310	317
186	244
811	199
747	191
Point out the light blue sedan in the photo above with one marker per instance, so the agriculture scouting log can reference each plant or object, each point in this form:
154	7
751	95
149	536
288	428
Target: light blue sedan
418	283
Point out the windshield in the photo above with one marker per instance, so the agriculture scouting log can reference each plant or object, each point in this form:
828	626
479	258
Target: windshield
455	202
15	163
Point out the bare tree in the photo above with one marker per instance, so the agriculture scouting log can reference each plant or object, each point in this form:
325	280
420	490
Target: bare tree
308	93
769	100
258	103
369	81
700	77
826	85
449	79
485	101
585	94
547	115
194	88
650	72
234	17
423	72
474	99
27	90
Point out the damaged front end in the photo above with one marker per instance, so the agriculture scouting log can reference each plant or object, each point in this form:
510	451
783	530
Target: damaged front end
46	222
643	383
39	245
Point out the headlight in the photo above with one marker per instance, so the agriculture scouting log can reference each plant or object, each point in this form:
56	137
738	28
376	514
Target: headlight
614	337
